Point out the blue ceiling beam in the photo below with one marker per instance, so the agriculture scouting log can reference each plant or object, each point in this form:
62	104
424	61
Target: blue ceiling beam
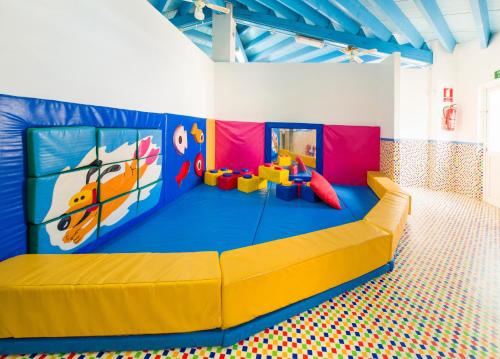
364	17
326	57
270	50
291	28
400	21
279	9
158	4
480	12
262	45
294	54
199	37
253	5
240	47
188	22
306	12
336	16
292	47
172	4
431	12
185	8
252	45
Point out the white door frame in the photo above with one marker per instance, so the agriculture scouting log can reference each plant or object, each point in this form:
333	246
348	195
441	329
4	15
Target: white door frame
484	128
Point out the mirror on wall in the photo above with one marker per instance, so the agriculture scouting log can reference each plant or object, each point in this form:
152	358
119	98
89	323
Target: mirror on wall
290	146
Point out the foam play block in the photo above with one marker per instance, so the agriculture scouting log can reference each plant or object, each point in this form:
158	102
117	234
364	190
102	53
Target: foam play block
117	211
65	234
307	194
109	294
149	197
227	181
116	144
390	214
278	174
56	149
381	184
264	170
210	177
149	142
117	178
287	193
150	169
249	183
51	196
262	278
284	160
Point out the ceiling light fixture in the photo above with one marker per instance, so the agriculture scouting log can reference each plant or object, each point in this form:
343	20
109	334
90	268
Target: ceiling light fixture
309	41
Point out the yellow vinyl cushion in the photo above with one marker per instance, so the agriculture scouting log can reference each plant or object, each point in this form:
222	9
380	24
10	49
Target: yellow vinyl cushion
390	214
380	184
262	278
109	294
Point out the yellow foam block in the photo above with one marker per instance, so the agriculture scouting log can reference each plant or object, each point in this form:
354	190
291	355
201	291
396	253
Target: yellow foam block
211	178
380	184
277	175
262	278
264	171
253	184
284	160
109	294
390	214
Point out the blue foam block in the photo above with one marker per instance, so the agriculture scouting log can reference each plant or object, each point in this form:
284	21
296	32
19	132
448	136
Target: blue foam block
51	196
116	144
149	197
55	149
118	211
65	234
286	193
307	194
149	140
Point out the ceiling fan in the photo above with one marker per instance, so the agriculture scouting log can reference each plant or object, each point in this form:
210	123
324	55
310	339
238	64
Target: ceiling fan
353	54
200	4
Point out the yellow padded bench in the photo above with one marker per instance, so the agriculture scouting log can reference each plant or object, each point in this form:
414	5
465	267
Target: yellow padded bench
381	184
390	214
109	294
262	278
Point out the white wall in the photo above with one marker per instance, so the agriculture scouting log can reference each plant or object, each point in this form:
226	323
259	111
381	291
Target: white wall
465	70
319	93
113	53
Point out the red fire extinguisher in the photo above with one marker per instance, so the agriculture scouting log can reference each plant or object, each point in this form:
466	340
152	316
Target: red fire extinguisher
449	110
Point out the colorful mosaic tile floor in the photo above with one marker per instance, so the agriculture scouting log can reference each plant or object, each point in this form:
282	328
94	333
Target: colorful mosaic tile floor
442	299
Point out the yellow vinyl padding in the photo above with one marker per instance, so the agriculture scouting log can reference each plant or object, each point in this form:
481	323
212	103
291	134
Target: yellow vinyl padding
390	214
381	184
262	278
210	145
109	294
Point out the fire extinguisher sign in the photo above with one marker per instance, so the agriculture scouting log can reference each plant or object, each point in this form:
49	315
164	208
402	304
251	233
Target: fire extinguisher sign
447	94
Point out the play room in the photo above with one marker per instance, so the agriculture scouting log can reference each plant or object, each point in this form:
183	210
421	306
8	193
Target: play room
249	179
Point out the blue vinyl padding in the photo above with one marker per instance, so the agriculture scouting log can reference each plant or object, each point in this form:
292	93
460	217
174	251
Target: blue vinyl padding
214	337
209	219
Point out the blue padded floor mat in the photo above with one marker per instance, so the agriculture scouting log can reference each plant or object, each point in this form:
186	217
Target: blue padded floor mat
209	219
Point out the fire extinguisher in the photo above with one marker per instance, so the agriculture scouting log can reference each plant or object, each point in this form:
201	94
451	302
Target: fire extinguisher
450	117
449	110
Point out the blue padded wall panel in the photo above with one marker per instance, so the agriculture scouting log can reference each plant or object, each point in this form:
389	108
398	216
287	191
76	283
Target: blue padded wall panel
149	197
17	114
118	211
116	144
65	234
116	179
52	196
150	170
150	142
58	149
182	151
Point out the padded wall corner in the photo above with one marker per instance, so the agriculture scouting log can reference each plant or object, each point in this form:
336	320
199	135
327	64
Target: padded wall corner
149	197
65	234
116	144
210	144
56	149
51	196
117	178
118	211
